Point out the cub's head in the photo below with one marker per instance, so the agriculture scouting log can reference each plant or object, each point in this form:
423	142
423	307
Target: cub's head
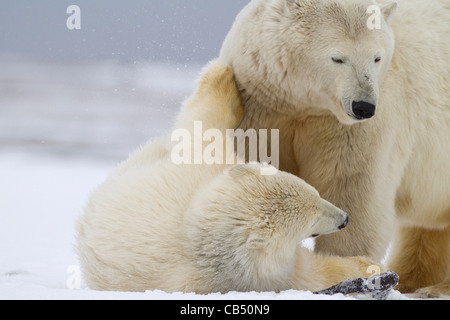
246	227
263	208
331	54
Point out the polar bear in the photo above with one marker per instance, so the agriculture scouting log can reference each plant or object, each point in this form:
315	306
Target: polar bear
361	94
204	228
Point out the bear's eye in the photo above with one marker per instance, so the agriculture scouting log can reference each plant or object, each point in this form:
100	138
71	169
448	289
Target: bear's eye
378	59
337	60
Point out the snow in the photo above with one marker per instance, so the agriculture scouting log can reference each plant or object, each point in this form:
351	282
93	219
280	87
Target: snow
64	128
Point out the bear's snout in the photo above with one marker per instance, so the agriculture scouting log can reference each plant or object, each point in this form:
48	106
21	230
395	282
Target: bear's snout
363	110
342	226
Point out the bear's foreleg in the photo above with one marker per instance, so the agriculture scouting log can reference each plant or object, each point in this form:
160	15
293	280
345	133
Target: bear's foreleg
367	196
216	103
323	271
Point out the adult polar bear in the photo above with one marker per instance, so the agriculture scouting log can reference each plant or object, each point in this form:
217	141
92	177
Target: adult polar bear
157	225
314	70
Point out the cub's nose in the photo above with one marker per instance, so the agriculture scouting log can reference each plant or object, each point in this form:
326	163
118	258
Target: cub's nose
342	226
363	110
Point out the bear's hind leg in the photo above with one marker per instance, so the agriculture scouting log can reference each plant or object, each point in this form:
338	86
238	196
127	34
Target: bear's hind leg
421	259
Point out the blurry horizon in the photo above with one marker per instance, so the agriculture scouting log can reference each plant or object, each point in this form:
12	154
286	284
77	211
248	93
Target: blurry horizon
101	91
173	31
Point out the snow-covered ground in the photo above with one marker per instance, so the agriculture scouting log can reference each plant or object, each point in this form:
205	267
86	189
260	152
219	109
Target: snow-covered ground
63	127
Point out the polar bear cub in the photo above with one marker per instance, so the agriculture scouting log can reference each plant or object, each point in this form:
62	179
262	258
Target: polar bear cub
204	228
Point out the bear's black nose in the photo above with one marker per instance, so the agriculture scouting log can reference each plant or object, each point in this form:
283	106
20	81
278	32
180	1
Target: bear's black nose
363	110
344	224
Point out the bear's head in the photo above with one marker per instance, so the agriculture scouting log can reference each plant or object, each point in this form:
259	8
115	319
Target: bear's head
259	209
248	225
278	205
313	54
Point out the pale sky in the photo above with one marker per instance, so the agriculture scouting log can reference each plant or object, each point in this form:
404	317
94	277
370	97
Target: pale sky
126	30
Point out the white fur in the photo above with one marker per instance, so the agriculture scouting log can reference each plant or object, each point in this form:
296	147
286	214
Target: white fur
392	170
206	228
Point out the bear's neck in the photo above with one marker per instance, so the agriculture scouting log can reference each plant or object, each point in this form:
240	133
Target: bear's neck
265	109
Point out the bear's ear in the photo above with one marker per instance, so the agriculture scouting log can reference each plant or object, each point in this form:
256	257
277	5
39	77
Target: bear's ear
240	170
256	241
291	4
300	8
388	9
296	6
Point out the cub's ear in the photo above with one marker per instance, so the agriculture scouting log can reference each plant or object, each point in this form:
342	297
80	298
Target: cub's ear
300	8
257	241
294	5
291	4
240	170
388	9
